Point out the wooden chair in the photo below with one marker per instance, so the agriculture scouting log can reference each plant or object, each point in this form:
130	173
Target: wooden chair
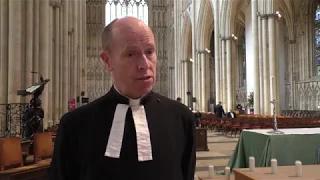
42	146
10	152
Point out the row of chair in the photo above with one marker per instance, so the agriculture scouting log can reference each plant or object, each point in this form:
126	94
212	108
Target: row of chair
11	155
236	125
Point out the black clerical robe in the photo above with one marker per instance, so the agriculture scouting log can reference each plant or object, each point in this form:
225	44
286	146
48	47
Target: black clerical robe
83	134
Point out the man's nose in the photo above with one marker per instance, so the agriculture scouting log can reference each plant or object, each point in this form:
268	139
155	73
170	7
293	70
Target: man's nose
144	62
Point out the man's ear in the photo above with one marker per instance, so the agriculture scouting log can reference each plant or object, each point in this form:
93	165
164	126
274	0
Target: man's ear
106	60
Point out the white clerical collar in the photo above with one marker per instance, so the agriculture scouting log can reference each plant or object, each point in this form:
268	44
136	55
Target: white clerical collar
132	102
141	125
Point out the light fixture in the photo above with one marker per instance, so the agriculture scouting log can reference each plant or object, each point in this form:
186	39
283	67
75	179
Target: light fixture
207	50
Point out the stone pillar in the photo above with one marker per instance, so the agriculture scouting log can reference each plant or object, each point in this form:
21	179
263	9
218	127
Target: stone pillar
228	78
65	45
254	10
183	82
75	58
272	58
266	73
261	79
44	56
199	84
217	52
57	61
51	56
292	80
223	72
29	44
4	33
15	50
194	55
175	10
186	81
36	38
203	80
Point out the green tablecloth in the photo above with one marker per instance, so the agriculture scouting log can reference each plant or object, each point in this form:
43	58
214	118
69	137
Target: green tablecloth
295	144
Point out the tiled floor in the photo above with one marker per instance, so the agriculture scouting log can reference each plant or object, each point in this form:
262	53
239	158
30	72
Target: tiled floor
221	148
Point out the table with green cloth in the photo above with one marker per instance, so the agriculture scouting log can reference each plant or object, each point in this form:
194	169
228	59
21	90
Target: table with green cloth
295	144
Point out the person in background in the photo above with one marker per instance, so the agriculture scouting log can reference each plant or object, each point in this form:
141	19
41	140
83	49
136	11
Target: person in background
231	114
198	118
219	111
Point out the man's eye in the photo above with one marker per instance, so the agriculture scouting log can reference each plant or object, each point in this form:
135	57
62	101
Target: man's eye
130	54
150	52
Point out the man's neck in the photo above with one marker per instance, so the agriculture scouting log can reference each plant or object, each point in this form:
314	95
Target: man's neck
125	95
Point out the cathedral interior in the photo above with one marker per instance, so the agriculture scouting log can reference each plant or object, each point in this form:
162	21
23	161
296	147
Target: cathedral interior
208	51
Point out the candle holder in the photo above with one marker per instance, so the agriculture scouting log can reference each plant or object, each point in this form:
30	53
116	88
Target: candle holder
275	124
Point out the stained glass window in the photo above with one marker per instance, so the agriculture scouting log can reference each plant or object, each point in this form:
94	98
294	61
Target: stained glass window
121	8
317	40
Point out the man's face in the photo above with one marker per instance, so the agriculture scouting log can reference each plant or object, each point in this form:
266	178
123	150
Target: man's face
132	59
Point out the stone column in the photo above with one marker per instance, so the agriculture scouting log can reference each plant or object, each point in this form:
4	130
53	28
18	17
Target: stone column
15	49
36	37
194	55
265	64
223	72
176	14
51	56
272	58
261	67
199	82
4	7
229	75
75	54
217	52
292	81
65	45
44	56
29	44
254	10
57	65
203	80
186	81
183	82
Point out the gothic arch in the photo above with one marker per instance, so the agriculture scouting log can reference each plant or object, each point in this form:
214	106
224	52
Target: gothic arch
287	12
205	25
225	17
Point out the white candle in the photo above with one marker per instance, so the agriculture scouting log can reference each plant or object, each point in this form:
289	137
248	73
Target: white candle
211	171
252	164
274	166
227	173
299	168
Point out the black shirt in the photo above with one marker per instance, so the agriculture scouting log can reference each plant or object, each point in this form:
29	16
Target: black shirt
83	135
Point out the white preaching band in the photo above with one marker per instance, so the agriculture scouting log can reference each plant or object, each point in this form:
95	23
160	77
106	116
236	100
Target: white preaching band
142	130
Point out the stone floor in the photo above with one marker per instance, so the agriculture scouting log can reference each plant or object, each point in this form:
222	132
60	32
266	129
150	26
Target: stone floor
221	148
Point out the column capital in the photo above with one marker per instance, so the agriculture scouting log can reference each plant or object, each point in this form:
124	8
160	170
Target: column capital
187	60
270	15
293	41
55	4
226	38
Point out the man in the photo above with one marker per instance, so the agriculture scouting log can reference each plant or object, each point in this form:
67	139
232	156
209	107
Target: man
231	114
198	117
131	132
218	110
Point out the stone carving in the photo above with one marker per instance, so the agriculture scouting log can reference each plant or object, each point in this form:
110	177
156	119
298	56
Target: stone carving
241	96
308	96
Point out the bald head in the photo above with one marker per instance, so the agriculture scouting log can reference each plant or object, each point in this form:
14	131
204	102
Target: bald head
120	26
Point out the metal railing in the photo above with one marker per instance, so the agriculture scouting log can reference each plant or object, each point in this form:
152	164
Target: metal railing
11	120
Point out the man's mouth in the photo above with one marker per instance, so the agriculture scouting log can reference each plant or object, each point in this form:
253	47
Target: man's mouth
144	78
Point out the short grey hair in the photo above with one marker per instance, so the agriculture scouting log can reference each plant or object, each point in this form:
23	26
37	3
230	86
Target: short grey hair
107	36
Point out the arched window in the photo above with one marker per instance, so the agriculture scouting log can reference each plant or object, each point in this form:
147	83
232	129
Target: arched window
121	8
317	40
